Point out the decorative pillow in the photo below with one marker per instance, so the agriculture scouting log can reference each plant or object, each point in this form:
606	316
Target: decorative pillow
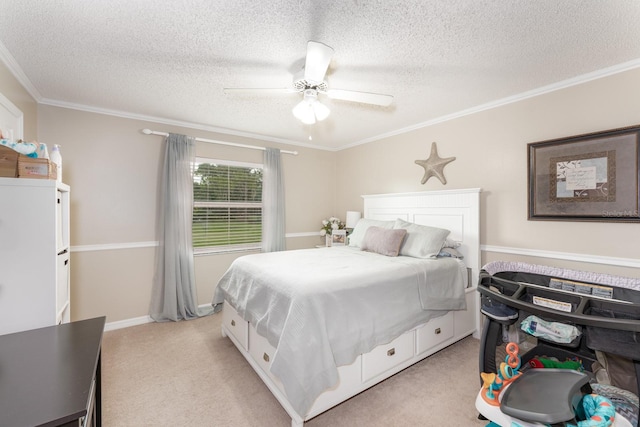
356	236
449	252
383	241
422	241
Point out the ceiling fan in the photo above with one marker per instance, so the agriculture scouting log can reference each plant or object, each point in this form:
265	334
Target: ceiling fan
311	81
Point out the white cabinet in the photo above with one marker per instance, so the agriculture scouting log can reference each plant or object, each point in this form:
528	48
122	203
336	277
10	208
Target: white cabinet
34	254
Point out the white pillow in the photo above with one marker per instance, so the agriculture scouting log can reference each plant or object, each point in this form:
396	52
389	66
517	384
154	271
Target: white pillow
356	236
422	241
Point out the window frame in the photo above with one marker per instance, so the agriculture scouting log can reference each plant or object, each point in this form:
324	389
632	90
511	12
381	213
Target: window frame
243	247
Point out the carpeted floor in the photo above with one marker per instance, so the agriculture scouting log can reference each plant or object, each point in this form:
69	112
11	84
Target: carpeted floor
186	374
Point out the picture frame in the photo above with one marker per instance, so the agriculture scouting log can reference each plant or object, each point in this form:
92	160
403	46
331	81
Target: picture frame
589	177
338	237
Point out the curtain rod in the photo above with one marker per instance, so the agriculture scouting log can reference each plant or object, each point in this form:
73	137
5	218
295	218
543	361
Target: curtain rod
213	141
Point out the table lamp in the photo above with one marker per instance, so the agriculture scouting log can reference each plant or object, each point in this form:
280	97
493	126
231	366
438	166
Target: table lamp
352	218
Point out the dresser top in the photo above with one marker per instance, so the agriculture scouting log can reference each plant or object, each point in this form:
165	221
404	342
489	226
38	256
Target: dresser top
46	374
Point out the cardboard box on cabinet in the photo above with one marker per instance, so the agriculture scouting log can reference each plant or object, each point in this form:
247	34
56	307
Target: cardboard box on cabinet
16	165
29	167
8	162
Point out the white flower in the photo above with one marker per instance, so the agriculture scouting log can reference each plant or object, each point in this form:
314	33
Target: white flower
330	224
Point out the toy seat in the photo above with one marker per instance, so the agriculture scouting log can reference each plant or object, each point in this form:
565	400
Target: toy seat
544	395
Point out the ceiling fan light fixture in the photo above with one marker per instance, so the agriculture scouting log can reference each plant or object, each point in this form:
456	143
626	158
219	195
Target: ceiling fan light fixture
309	110
304	112
310	81
320	110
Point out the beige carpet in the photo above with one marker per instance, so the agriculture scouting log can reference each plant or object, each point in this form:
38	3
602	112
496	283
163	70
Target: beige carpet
186	374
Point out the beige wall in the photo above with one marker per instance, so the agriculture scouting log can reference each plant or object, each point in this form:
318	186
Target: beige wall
491	153
113	171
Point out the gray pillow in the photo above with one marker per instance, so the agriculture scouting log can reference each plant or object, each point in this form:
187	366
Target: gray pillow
422	241
356	236
383	241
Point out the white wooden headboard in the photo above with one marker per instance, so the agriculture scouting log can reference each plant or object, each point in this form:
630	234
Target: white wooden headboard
455	210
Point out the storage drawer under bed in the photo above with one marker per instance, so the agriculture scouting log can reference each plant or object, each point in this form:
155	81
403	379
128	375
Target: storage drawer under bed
236	325
434	332
385	357
262	352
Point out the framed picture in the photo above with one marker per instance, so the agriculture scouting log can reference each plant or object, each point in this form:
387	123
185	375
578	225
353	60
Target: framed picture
338	237
591	177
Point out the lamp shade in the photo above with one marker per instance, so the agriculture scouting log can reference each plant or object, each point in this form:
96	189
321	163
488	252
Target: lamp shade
304	112
309	110
352	218
321	111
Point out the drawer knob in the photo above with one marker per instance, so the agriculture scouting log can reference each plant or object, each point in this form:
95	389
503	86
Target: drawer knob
437	331
391	352
233	322
265	356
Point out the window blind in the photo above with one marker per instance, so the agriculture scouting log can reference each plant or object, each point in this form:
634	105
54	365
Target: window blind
227	209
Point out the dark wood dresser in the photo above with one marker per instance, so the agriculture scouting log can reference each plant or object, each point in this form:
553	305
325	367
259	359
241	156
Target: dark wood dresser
51	376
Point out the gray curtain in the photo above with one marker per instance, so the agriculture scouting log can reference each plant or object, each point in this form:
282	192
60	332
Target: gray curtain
174	289
273	224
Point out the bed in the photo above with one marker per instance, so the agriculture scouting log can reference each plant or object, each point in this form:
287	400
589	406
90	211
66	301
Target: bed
321	325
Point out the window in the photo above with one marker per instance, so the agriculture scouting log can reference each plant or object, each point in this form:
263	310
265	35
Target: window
227	208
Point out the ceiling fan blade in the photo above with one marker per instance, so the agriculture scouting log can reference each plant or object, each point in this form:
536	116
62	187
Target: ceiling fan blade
363	97
317	61
258	91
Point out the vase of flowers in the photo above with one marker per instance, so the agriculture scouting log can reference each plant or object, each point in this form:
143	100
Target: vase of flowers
328	225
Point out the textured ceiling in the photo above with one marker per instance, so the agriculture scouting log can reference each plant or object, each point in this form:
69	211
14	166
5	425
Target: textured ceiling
170	60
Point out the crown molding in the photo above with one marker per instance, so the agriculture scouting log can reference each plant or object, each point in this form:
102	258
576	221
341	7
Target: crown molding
180	123
14	68
574	81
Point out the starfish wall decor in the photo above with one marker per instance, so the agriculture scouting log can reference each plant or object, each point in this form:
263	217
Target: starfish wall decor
434	165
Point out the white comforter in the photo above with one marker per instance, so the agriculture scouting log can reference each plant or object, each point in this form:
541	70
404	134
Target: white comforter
321	308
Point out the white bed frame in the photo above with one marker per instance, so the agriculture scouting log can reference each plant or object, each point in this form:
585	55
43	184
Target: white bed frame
456	210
